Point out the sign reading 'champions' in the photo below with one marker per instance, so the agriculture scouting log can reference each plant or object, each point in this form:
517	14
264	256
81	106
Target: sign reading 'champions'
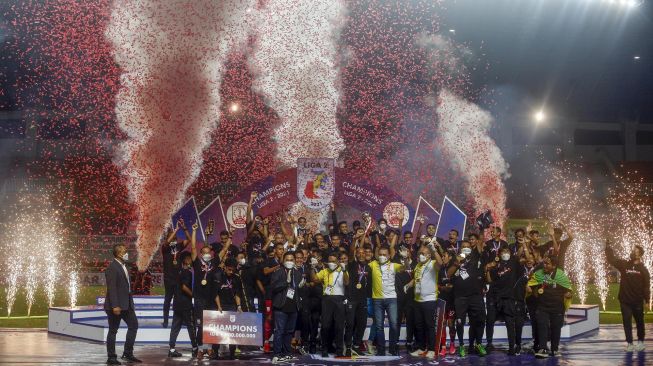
230	327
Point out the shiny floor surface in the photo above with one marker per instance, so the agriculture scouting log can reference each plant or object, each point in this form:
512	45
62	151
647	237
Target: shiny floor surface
37	347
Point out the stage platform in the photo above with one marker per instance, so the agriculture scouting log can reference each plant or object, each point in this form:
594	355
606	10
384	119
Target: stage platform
90	322
602	347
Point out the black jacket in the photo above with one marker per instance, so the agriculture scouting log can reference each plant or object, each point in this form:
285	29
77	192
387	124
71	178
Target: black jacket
279	286
118	291
635	279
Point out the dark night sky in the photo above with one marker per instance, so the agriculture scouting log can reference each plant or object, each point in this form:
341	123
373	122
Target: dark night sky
574	57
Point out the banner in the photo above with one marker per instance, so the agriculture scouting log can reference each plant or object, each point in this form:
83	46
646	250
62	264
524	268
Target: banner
188	212
231	327
315	182
427	211
440	308
451	217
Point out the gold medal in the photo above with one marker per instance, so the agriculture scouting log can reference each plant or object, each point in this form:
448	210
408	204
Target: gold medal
496	259
203	282
359	286
540	291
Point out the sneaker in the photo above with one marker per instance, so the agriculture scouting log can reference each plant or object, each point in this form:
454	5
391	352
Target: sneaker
194	353
511	351
555	354
542	353
325	354
481	350
417	353
371	350
277	360
640	346
489	347
348	352
452	348
430	355
630	347
409	347
443	351
518	350
461	351
113	361
174	354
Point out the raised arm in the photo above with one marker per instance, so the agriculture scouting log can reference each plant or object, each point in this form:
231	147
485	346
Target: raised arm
193	243
172	234
249	215
334	217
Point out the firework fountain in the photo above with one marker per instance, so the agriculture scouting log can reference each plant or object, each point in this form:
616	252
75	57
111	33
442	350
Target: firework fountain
570	201
632	217
34	225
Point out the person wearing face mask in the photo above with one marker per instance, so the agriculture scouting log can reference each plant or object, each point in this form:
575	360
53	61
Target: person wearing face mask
379	236
311	307
204	269
170	251
229	291
384	297
119	305
425	284
467	278
524	273
445	292
183	307
247	274
334	280
357	293
405	294
502	277
552	288
271	265
285	285
633	293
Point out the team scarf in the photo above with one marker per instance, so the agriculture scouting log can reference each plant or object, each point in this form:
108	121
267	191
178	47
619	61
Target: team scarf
559	279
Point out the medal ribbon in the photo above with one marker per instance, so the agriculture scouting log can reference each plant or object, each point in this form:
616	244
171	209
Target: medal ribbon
206	268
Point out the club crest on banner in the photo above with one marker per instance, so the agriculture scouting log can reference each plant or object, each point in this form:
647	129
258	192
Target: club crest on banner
315	182
236	215
393	212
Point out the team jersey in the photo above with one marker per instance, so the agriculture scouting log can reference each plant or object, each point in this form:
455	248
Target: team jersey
333	282
383	279
426	281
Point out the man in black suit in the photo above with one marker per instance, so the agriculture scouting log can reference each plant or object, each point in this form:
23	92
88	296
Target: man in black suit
118	305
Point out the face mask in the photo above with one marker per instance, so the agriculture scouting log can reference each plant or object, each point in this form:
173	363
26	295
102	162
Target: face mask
422	258
343	265
505	256
333	266
403	253
314	261
206	257
242	261
383	226
125	257
289	264
466	251
383	259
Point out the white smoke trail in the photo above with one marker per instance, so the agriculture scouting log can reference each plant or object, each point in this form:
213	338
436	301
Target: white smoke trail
172	55
463	136
295	64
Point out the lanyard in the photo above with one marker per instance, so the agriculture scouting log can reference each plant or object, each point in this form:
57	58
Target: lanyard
495	246
206	268
361	273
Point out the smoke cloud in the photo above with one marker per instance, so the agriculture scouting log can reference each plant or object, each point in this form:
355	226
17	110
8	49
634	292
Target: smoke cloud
172	55
463	136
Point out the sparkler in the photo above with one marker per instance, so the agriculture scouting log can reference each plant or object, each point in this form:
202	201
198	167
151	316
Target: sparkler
12	284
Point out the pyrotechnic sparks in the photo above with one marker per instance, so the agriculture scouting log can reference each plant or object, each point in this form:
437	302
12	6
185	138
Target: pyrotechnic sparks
632	215
570	201
12	282
73	288
33	243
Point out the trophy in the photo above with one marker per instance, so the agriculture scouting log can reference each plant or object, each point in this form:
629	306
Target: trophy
209	228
